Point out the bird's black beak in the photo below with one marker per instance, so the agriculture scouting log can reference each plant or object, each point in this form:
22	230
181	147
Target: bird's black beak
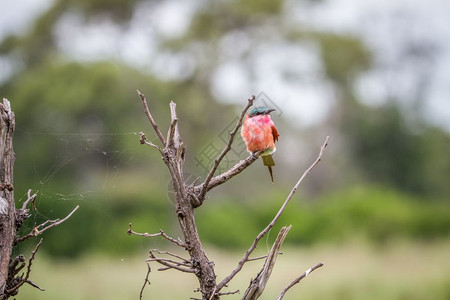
268	111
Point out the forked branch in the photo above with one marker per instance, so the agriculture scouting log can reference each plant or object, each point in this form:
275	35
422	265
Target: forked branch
177	242
205	185
244	259
41	228
30	198
258	284
183	265
146	281
225	176
25	278
150	118
188	198
297	280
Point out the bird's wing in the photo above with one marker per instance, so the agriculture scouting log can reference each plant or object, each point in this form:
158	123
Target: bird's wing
275	133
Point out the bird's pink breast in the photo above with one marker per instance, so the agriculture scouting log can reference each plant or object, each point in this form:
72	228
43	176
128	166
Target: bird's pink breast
257	133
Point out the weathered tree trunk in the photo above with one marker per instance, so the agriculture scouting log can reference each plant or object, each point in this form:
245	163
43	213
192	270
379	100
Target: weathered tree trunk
173	156
12	276
190	197
7	206
204	268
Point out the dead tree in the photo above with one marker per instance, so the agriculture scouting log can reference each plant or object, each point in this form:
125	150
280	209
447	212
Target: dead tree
192	196
14	272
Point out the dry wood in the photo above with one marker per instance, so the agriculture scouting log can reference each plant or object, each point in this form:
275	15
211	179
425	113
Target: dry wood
7	205
189	197
258	284
297	280
11	219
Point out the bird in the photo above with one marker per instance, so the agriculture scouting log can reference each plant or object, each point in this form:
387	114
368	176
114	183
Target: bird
260	134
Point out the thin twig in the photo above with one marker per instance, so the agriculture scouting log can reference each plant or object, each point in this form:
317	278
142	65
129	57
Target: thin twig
195	182
150	118
228	293
14	269
261	257
173	124
146	281
31	198
28	272
213	293
130	231
176	267
34	285
178	242
41	228
178	263
257	285
225	176
297	280
175	241
272	223
170	254
226	149
143	140
172	265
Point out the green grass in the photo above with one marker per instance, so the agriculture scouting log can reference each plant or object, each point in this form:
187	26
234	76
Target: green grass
400	270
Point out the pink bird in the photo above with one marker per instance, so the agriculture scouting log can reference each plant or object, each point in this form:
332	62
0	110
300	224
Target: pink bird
260	134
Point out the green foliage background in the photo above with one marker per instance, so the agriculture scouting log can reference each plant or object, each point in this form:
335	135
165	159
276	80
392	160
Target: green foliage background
76	142
384	177
378	203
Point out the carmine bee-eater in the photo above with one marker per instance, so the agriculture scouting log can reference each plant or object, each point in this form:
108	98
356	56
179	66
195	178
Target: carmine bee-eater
260	134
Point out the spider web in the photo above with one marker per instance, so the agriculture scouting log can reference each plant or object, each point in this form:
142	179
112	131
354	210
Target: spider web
74	149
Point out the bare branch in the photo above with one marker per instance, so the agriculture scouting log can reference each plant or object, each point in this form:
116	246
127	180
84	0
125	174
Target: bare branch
14	269
177	263
34	285
183	262
227	175
146	281
173	124
30	260
213	293
171	254
258	284
261	257
7	206
130	231
31	198
41	228
150	118
226	149
297	280
27	274
176	267
228	293
178	242
143	140
188	197
244	259
170	264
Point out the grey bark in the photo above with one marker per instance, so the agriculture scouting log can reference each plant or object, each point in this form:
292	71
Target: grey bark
7	206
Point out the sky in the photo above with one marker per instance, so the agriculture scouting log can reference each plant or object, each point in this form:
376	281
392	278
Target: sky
395	32
409	40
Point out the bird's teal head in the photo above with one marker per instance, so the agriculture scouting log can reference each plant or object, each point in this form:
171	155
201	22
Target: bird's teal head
260	110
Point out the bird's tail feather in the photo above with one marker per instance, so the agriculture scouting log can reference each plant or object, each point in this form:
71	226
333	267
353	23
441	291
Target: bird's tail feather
268	161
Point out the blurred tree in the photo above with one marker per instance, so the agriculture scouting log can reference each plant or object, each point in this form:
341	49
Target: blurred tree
80	117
